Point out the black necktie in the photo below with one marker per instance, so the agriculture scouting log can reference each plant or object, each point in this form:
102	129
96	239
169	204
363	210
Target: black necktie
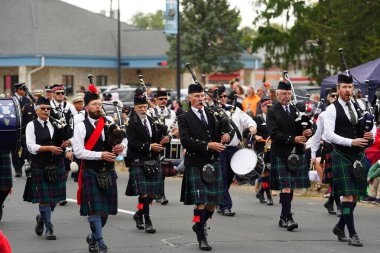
352	114
203	120
96	122
146	127
46	129
287	109
45	124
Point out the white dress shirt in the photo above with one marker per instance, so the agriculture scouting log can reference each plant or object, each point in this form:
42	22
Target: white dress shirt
318	136
78	143
31	135
329	124
243	121
195	110
69	107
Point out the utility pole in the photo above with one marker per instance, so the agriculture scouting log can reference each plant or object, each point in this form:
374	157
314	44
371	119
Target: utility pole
118	46
178	81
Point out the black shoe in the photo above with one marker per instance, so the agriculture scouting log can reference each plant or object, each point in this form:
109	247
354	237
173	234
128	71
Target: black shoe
50	233
92	244
203	243
283	222
39	229
330	208
270	202
261	198
227	212
291	224
164	201
63	202
355	241
18	173
102	248
148	225
139	220
340	234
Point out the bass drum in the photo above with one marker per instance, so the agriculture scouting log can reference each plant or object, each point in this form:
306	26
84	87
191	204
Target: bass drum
10	124
245	163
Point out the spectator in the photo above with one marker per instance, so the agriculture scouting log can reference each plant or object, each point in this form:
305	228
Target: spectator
239	91
177	107
273	96
261	92
251	101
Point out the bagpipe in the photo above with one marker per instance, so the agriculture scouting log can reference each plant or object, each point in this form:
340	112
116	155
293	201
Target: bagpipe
365	117
303	121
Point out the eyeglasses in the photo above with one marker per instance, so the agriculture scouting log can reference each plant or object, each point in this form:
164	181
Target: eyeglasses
223	96
163	99
60	93
333	95
45	108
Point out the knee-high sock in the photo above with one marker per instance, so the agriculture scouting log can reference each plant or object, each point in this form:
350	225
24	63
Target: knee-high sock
347	213
146	203
331	199
286	204
45	212
199	216
96	227
3	196
265	186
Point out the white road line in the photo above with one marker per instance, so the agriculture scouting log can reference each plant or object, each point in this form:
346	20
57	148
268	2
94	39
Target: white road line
119	210
168	243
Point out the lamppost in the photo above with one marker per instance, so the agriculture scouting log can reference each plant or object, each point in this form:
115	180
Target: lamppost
118	46
178	78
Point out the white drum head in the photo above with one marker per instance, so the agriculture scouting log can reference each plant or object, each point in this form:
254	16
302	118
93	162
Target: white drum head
243	161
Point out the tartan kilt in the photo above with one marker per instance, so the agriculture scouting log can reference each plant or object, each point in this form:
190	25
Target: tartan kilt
95	200
5	171
344	185
282	178
44	192
195	191
327	172
139	184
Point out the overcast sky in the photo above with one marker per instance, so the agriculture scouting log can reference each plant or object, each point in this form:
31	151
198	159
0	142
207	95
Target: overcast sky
129	7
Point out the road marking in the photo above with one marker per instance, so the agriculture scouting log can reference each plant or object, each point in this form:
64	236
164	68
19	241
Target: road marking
168	243
119	210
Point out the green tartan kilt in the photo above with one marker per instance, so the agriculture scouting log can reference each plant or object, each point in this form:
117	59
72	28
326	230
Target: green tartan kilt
139	184
44	192
344	185
195	191
282	178
96	200
5	171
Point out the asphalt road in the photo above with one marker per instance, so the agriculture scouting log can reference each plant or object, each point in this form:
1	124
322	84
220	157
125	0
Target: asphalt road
253	229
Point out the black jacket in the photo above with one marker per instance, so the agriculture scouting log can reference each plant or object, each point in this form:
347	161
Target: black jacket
195	137
282	130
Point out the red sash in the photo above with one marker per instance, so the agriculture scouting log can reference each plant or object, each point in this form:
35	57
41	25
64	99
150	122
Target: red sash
89	145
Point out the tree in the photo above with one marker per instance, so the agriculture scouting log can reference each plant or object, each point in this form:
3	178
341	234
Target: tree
210	39
318	31
149	20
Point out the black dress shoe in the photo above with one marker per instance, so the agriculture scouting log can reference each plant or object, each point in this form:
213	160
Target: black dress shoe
164	201
148	225
39	229
283	222
227	212
330	208
139	220
50	233
270	202
261	198
355	241
291	224
63	202
340	234
92	244
203	243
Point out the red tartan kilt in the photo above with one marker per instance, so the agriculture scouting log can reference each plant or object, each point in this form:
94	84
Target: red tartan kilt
327	172
168	169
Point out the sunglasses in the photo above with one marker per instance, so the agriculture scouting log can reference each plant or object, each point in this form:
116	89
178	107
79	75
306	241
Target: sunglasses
60	93
333	95
45	108
223	96
163	99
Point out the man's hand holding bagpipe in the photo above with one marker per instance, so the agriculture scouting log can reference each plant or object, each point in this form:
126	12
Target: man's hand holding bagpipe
307	133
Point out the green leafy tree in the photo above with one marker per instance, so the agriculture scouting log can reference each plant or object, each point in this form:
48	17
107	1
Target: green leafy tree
320	28
210	38
149	20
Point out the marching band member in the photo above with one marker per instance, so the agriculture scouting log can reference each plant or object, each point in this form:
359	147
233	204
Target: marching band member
166	116
48	92
5	178
48	185
97	192
145	142
286	142
202	183
259	147
341	128
324	160
242	121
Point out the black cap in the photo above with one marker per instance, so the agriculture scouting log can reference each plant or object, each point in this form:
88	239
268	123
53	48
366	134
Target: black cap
90	95
43	101
221	89
18	85
195	88
342	78
139	98
284	86
162	93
